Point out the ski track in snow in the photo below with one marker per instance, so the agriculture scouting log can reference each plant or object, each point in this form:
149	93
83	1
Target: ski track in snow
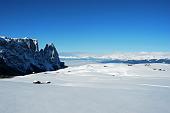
153	85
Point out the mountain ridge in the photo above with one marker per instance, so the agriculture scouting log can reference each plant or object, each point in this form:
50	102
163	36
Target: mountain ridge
20	56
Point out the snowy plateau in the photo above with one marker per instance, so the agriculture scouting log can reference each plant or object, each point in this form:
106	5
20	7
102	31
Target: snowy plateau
88	85
90	88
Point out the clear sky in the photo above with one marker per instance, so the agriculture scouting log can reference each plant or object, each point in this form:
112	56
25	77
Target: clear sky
96	26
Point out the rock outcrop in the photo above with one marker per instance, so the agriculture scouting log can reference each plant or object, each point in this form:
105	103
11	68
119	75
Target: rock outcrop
20	56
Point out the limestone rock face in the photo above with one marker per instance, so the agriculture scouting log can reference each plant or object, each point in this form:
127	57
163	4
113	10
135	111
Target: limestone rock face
20	56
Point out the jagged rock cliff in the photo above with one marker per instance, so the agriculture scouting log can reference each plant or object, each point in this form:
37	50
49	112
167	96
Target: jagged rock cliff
20	56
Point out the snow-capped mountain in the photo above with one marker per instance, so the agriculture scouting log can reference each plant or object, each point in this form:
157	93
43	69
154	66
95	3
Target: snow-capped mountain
20	56
119	55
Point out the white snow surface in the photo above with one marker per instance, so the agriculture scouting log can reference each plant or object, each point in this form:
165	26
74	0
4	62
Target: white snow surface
90	88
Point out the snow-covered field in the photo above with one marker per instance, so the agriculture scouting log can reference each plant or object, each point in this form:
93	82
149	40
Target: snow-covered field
90	88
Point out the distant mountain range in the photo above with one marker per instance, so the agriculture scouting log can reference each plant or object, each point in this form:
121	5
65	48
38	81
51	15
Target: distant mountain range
117	57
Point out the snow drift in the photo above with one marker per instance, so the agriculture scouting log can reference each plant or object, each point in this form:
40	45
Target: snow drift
20	56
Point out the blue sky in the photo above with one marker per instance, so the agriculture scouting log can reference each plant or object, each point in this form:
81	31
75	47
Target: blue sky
94	26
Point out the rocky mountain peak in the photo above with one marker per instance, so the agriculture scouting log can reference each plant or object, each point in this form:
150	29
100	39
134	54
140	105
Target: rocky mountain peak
20	56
